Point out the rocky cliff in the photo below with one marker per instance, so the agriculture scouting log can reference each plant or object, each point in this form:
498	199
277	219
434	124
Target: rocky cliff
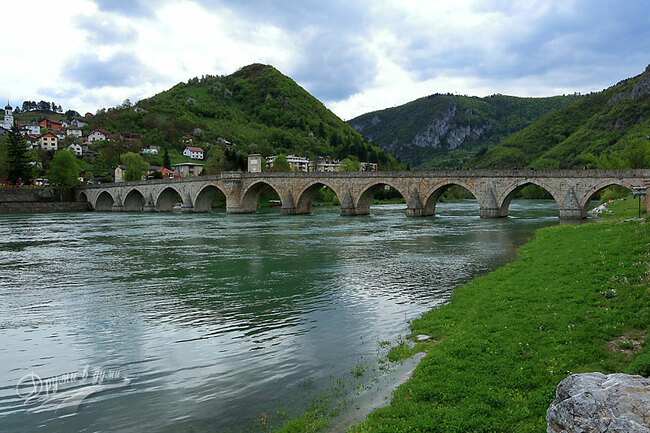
428	129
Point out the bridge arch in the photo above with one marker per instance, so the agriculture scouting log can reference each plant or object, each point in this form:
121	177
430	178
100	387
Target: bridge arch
104	201
506	198
591	193
205	196
167	198
308	193
364	199
252	193
433	195
82	196
133	201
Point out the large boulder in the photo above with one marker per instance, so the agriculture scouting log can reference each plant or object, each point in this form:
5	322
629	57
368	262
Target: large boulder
595	402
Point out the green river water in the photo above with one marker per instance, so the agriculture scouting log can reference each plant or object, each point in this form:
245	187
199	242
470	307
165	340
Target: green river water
125	322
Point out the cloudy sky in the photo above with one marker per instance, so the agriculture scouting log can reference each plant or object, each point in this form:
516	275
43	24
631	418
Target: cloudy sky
354	55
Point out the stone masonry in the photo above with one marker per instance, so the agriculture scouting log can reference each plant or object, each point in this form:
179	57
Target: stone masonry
493	189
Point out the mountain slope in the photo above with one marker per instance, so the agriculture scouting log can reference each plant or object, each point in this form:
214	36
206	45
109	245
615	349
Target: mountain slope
257	108
607	129
441	131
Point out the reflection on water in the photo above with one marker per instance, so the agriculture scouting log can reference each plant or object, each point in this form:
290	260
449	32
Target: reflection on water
216	319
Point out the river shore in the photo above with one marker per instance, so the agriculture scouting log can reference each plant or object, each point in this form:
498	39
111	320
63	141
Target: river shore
574	301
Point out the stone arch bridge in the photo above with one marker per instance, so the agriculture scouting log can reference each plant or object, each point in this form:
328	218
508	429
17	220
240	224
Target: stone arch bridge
493	189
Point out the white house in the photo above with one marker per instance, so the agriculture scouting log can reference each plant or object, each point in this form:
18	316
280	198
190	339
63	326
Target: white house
30	129
98	135
74	131
194	152
149	151
76	149
78	122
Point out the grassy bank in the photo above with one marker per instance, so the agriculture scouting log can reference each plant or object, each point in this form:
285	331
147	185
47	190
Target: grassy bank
575	300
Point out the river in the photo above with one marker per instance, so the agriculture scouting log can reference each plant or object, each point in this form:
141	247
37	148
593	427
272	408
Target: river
210	322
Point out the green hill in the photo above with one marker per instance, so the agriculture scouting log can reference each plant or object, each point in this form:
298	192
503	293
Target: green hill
445	131
607	129
257	109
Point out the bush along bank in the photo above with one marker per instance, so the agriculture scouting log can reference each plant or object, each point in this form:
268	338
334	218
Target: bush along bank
575	300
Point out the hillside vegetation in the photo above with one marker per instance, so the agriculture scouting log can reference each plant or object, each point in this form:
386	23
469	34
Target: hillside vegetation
257	109
445	131
608	129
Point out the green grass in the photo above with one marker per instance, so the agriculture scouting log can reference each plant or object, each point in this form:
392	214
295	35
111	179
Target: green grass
505	341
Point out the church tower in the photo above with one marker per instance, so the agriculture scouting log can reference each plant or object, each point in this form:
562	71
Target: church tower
8	122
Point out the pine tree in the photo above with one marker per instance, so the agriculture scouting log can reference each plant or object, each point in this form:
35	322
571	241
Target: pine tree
17	157
166	162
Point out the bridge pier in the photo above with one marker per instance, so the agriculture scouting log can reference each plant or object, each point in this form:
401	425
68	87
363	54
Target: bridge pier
571	214
490	212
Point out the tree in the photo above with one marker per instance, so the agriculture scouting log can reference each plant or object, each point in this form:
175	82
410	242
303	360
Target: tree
17	156
166	162
281	164
350	163
136	166
64	168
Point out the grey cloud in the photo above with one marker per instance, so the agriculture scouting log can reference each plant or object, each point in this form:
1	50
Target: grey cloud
136	8
122	69
67	93
335	67
594	34
103	29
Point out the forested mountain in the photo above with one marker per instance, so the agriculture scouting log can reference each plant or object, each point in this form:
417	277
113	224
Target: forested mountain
607	129
257	109
445	130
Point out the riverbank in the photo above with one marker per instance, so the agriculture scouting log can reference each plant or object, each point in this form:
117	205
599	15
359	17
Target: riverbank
575	300
28	199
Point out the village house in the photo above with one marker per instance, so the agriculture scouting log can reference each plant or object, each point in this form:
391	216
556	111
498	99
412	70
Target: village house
368	166
186	169
128	138
168	174
30	129
32	140
48	141
98	135
76	149
187	139
194	152
78	122
296	163
73	130
50	124
60	134
151	150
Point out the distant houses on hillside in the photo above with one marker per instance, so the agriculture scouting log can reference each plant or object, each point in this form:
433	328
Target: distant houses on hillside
301	163
194	152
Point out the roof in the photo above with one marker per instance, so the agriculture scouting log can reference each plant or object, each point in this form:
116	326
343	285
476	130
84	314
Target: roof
194	149
165	170
49	133
101	131
186	163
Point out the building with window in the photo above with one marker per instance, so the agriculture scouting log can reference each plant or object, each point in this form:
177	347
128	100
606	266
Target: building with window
186	169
